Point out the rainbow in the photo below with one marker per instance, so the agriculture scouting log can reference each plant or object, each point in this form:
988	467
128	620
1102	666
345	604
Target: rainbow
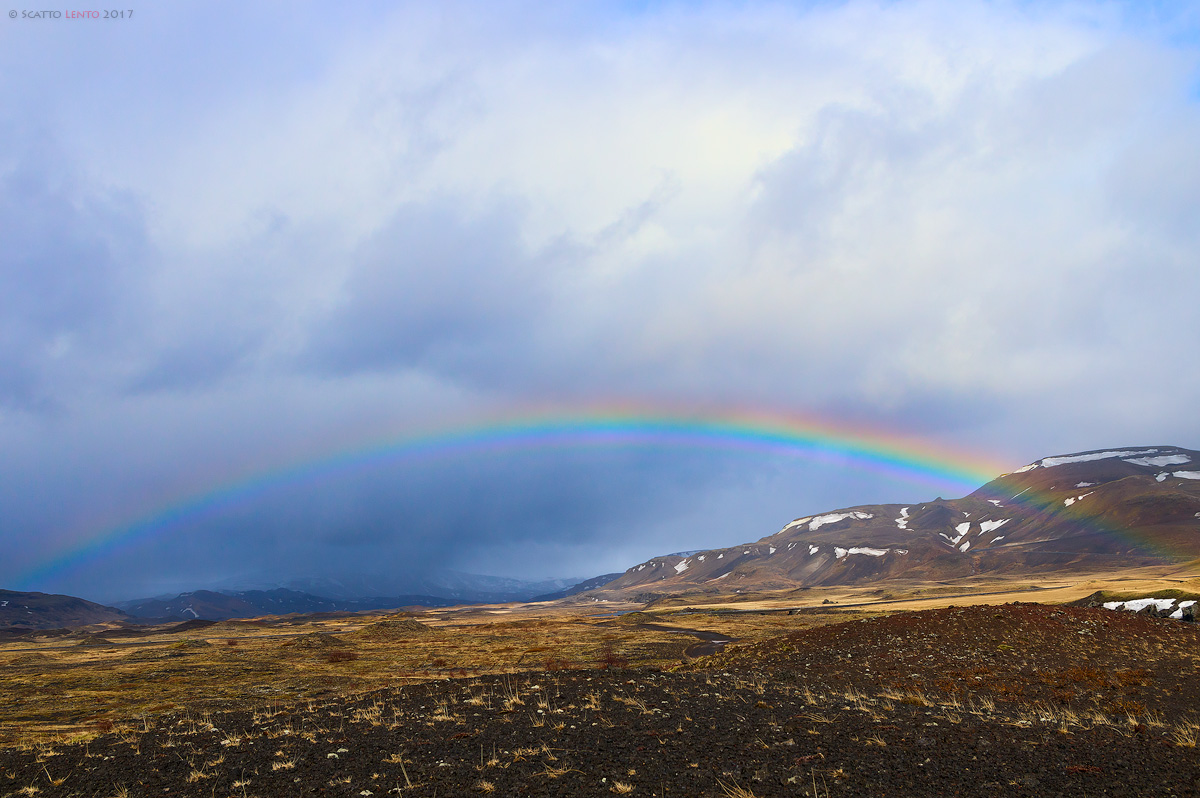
807	438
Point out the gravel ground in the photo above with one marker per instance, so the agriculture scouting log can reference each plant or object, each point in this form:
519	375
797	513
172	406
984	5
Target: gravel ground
812	713
1067	658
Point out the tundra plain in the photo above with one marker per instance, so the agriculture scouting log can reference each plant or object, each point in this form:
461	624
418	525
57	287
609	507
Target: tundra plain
824	691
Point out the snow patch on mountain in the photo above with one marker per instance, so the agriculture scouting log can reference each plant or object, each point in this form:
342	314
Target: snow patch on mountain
1137	605
833	518
840	552
1163	460
1050	462
797	522
962	530
1159	605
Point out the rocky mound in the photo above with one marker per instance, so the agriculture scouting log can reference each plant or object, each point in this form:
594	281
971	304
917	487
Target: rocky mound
1178	604
94	641
32	658
393	630
190	626
313	641
1085	659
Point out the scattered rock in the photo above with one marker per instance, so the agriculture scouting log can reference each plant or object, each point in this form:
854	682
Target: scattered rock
701	747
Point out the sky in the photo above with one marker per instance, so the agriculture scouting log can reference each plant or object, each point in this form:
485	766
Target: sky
235	237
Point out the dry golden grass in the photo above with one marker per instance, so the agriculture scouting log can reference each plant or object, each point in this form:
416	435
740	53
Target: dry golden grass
62	689
734	791
57	687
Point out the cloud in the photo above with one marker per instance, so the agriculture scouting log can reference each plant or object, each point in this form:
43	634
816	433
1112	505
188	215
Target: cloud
249	238
68	274
432	289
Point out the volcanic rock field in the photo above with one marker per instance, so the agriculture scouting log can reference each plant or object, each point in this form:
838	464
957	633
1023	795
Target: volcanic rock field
1014	699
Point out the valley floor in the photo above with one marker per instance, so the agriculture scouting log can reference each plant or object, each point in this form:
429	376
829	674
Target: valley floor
1014	699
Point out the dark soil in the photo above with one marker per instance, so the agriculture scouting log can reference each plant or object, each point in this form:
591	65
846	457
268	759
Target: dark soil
853	709
1067	658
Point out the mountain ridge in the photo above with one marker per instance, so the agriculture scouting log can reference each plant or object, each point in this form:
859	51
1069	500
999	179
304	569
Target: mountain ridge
212	605
1125	506
442	584
1133	505
34	610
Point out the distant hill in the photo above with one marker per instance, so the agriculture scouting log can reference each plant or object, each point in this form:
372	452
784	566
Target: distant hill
445	585
1106	508
1103	508
52	611
587	584
217	606
30	611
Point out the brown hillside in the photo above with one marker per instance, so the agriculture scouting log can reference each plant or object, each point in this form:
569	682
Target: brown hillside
52	611
1070	513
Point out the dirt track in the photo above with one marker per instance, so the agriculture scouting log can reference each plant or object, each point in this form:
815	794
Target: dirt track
710	642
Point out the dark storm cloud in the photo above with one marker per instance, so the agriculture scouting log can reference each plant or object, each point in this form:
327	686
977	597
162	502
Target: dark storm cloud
68	274
433	288
409	520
